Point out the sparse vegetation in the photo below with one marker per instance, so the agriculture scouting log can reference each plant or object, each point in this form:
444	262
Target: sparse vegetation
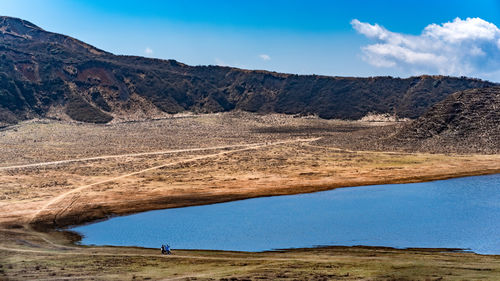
247	155
27	254
80	110
467	121
41	65
60	173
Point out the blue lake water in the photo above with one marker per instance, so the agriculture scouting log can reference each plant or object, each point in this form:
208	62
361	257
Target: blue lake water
457	213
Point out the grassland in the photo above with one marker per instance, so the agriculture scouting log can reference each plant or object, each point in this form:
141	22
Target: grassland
56	174
30	255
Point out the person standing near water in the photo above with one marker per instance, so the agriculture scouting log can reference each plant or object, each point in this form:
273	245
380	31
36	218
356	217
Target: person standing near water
165	249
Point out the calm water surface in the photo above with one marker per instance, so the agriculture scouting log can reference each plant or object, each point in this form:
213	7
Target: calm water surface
456	213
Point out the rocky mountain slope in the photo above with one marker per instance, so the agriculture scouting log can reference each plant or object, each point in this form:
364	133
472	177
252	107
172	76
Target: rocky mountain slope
466	121
43	74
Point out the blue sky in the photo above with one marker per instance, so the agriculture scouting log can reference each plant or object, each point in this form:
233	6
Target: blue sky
303	37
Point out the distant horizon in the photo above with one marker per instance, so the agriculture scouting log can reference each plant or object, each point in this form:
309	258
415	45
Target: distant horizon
341	39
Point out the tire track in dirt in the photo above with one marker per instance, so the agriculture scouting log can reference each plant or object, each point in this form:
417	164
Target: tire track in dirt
119	156
248	147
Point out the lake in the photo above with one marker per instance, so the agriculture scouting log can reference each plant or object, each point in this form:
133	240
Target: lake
456	213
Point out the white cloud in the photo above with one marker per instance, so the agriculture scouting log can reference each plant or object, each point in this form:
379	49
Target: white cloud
148	51
460	30
265	57
460	47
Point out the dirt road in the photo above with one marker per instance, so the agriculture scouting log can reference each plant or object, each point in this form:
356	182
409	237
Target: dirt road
60	197
50	163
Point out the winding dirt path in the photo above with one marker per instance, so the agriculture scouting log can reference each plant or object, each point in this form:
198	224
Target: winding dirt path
197	158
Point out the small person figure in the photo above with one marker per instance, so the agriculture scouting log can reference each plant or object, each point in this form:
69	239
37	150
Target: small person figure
165	250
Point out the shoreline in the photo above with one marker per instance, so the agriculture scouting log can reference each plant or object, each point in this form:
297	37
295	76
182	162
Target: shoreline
135	179
77	241
285	250
157	204
52	256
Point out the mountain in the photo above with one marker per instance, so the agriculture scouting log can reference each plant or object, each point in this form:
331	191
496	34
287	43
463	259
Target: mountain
44	74
466	121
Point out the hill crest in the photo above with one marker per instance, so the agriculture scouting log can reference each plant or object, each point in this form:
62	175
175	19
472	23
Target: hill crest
466	121
44	74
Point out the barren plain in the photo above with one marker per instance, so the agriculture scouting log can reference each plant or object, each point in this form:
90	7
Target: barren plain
57	174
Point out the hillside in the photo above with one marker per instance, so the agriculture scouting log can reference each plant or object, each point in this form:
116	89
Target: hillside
43	74
466	121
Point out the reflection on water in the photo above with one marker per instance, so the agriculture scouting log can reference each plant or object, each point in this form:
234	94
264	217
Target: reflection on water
455	213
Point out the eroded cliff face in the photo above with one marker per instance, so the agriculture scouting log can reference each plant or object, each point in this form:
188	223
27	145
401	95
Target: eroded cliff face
43	74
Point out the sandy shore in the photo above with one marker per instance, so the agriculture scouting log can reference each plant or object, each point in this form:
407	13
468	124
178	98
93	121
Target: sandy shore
58	174
77	190
55	174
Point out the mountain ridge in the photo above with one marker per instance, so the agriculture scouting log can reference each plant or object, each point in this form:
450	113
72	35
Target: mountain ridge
45	74
466	121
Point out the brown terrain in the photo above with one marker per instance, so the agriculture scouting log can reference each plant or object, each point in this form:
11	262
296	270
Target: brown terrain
87	135
72	173
465	121
56	174
29	255
49	75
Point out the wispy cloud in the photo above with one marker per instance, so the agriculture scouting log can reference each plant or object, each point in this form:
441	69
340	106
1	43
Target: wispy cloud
148	51
220	62
264	57
459	47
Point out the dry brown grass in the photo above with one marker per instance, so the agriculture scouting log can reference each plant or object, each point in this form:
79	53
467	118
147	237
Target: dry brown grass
243	156
31	255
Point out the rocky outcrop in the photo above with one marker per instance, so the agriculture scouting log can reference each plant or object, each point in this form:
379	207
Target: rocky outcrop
466	121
